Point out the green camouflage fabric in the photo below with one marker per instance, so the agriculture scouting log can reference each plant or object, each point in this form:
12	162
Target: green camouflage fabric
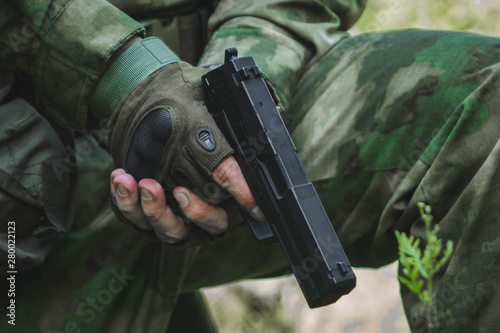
381	121
48	38
288	38
386	120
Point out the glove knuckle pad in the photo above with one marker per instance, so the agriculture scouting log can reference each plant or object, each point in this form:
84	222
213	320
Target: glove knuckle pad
148	143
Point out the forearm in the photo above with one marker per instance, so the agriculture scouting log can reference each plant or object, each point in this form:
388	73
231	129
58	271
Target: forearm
282	36
65	47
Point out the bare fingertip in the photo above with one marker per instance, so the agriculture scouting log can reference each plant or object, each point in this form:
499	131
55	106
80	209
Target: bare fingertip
182	199
258	214
146	195
121	190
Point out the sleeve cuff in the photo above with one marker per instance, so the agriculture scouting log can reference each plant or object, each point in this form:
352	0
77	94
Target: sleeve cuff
139	61
73	53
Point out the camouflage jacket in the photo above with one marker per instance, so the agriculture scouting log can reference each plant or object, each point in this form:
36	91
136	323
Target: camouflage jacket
66	45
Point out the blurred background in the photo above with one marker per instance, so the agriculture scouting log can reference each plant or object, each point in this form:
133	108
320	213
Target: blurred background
479	16
277	305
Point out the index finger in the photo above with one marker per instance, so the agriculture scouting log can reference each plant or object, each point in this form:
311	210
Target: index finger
228	175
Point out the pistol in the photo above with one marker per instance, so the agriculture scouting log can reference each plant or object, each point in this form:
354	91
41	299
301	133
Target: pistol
244	110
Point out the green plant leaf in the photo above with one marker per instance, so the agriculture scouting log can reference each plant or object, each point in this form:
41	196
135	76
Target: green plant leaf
418	267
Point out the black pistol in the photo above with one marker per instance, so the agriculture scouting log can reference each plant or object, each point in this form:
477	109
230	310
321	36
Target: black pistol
238	99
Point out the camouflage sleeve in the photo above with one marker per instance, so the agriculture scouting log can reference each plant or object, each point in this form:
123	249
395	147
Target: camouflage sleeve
283	36
64	45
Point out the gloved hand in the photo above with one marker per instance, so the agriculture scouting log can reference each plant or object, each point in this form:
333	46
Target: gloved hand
144	205
162	130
